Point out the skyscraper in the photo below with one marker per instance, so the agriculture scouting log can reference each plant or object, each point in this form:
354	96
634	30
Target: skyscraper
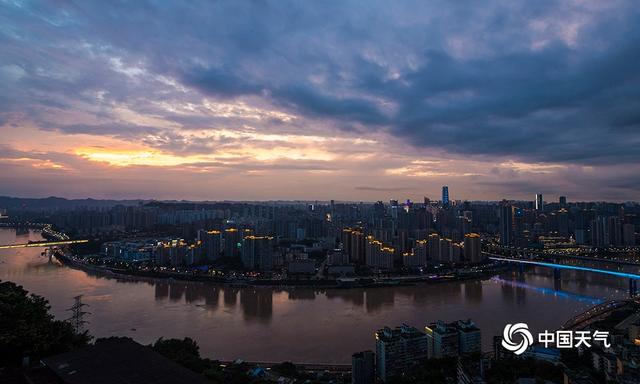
353	243
472	248
257	252
434	248
628	235
232	242
211	244
445	196
506	224
563	201
563	222
582	226
539	202
599	232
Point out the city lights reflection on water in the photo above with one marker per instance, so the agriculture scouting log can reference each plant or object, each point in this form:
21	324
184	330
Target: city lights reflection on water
299	324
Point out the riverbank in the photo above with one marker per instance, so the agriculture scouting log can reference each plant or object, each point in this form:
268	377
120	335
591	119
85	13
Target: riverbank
299	324
344	283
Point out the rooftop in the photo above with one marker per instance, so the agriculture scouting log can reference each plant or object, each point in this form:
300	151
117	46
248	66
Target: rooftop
119	360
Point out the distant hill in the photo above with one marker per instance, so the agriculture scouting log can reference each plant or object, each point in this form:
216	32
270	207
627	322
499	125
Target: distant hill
53	203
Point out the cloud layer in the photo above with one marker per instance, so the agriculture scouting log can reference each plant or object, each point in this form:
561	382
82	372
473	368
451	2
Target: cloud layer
347	100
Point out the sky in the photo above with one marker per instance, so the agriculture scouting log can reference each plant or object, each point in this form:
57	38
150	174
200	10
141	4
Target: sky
346	100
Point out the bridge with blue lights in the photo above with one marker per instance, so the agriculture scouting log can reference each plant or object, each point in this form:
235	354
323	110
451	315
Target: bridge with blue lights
557	267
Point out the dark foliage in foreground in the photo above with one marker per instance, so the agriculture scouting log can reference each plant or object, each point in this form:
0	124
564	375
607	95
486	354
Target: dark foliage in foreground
28	329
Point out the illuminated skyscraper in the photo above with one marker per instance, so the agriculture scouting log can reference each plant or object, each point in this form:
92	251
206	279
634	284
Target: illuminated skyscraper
211	244
472	248
418	256
232	242
445	196
353	243
377	255
257	252
434	248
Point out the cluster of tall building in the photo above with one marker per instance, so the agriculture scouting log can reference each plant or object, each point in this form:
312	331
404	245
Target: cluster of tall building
595	224
255	252
380	235
366	249
400	349
372	252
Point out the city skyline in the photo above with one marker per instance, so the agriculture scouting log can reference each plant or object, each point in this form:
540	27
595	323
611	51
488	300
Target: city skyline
401	200
299	101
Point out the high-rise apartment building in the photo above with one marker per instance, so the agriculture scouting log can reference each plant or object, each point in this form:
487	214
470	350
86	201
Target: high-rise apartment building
353	243
472	248
434	248
211	244
232	242
442	340
378	255
469	337
398	350
628	235
459	338
418	255
506	224
257	252
563	222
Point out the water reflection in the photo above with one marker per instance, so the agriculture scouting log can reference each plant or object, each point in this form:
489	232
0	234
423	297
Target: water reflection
521	285
257	304
473	291
302	324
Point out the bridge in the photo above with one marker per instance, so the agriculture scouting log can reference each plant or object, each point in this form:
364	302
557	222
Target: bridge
557	267
596	313
43	244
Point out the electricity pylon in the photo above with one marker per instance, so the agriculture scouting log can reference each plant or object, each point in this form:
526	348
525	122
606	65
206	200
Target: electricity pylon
77	315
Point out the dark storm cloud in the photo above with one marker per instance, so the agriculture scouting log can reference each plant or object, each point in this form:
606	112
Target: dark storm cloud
554	82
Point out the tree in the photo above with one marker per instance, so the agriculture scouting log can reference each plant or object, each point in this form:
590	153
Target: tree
187	353
28	329
184	352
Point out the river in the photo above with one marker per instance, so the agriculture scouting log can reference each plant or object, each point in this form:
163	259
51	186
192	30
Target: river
300	325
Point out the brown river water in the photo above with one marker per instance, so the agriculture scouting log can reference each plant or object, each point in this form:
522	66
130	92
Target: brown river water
298	324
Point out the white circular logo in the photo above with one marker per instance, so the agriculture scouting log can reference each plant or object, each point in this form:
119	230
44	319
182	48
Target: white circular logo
511	330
